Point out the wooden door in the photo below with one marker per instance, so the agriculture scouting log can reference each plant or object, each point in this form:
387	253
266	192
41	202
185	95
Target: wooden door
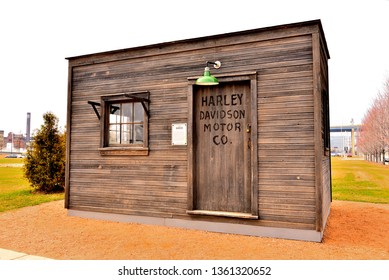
222	148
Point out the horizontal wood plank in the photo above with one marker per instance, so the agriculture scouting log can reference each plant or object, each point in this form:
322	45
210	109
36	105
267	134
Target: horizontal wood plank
156	184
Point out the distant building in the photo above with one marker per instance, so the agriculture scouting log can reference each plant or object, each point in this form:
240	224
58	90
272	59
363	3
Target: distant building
344	139
19	141
1	139
13	142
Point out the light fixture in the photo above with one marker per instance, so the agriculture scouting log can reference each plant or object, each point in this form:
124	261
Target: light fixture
207	79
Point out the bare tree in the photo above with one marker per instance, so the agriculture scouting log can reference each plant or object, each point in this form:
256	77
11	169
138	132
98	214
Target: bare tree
374	138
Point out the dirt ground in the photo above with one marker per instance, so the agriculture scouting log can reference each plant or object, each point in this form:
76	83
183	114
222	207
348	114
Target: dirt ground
354	231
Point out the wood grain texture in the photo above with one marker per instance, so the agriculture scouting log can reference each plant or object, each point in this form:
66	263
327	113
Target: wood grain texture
222	114
292	183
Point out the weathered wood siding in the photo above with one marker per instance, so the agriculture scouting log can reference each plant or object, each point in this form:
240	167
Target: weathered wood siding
156	185
326	162
285	140
327	196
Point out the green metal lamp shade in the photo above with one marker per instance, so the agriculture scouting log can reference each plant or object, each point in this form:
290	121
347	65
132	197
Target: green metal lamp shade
207	79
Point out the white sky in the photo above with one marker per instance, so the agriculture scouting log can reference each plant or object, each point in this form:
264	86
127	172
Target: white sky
36	36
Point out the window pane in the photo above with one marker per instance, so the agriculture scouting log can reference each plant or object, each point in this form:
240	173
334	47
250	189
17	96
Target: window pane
114	113
138	134
126	134
127	112
114	134
126	123
139	112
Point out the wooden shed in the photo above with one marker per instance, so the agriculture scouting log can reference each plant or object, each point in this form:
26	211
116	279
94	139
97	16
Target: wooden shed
250	155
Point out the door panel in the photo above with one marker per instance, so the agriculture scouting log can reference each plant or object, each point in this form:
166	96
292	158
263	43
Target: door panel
222	147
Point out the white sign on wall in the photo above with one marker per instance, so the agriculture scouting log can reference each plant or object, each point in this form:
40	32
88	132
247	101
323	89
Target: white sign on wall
179	134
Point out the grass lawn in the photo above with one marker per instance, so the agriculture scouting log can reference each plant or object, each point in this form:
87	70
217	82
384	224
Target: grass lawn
360	180
15	191
354	180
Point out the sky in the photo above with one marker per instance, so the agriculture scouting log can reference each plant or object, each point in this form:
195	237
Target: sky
37	36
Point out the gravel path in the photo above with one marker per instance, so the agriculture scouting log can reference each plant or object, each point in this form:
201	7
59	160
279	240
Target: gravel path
354	231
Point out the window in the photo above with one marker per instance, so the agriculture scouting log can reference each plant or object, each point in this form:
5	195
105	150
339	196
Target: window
124	124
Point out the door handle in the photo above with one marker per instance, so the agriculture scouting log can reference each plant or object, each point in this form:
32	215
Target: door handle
248	128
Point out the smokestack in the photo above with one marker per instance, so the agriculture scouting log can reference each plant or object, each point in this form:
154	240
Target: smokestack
28	127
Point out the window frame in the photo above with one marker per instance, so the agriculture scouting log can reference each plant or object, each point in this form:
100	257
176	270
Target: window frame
123	149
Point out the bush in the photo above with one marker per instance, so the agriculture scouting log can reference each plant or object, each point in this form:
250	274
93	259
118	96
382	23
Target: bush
46	157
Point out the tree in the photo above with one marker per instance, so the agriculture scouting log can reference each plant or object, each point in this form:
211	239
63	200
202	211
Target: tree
374	137
46	157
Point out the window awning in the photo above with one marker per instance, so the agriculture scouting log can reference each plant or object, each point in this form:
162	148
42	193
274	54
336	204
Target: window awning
143	97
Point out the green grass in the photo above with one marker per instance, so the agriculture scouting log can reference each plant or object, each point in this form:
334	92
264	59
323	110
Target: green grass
359	180
4	160
15	191
354	180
